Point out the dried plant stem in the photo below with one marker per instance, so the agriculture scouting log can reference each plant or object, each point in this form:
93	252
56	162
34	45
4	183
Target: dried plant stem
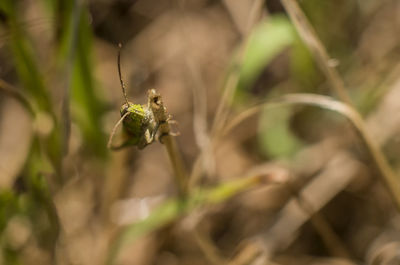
331	240
324	229
208	248
247	254
162	117
309	36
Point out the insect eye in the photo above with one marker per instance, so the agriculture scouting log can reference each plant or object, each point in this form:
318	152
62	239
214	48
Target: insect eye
155	99
124	109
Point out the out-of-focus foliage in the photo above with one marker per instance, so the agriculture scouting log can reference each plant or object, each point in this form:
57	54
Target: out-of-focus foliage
266	42
68	200
51	122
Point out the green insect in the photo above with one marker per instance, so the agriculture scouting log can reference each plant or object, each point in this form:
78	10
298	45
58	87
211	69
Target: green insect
138	121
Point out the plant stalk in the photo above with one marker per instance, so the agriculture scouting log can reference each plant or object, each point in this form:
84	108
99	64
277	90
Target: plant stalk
162	118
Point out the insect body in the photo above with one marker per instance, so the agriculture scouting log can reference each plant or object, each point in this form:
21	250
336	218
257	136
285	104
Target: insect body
138	124
138	121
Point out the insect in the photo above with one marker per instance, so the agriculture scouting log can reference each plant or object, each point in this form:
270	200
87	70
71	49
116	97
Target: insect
137	120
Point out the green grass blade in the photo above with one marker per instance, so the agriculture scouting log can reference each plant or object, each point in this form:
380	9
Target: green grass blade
87	108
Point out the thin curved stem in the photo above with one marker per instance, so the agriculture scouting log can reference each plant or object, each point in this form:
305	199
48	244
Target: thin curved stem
389	176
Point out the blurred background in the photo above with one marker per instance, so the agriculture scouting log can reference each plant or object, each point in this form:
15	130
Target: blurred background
294	184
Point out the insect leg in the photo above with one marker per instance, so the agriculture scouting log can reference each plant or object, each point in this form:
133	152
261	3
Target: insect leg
169	121
109	144
153	135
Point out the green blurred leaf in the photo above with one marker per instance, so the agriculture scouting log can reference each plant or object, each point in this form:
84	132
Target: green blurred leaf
268	39
275	136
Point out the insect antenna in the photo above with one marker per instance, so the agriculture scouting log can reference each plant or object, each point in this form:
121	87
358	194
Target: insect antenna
120	75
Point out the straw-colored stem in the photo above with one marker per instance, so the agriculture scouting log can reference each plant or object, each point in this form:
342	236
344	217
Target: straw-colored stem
162	117
317	49
209	249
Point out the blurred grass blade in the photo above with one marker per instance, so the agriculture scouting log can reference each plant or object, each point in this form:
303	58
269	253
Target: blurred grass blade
229	189
66	16
87	109
73	35
174	208
29	74
25	62
45	152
